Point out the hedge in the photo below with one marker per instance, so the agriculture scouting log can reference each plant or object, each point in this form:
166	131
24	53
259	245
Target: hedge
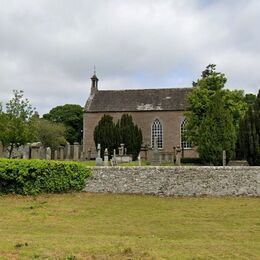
31	177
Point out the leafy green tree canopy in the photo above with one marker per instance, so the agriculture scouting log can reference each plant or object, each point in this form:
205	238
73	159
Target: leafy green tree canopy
71	116
16	126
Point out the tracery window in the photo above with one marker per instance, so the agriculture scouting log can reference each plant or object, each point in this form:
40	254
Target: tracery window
184	140
157	133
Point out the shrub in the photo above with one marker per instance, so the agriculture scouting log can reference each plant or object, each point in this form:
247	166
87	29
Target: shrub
191	160
31	177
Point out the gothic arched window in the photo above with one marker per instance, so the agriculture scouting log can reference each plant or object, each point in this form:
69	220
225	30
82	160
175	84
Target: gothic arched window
157	133
184	141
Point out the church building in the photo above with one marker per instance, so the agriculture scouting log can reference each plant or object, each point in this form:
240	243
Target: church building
158	112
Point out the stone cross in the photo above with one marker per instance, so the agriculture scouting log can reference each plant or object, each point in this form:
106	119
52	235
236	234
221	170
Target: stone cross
156	153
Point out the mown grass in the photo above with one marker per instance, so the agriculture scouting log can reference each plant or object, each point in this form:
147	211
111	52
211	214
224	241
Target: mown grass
107	226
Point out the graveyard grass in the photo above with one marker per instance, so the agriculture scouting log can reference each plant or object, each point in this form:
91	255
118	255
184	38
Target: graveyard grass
109	226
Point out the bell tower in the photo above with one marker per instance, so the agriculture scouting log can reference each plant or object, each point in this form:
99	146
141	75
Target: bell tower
94	83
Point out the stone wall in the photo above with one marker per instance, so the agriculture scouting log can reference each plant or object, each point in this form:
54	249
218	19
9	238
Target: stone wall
176	181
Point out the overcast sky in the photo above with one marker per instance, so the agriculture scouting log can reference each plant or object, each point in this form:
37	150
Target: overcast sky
48	48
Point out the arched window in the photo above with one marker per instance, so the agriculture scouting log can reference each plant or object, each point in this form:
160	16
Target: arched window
157	133
184	140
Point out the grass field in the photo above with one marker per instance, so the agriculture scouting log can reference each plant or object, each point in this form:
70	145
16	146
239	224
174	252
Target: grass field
107	226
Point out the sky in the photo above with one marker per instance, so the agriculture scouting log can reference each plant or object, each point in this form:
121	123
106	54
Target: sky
48	48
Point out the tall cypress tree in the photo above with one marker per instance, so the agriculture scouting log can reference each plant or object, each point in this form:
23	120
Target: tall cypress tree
130	135
216	133
106	134
249	136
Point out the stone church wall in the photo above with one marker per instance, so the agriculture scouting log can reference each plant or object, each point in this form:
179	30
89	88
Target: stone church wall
176	181
170	120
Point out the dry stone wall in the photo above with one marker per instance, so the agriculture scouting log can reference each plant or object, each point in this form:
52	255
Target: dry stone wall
176	181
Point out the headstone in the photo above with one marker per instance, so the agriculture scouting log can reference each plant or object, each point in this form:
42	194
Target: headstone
89	154
61	153
139	160
121	150
178	156
76	151
106	162
42	153
156	153
55	155
48	153
35	150
26	151
224	158
67	151
99	161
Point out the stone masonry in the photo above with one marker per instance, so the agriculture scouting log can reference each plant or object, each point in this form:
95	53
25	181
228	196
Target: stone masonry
176	181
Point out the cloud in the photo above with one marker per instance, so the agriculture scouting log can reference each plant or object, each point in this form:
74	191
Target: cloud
48	48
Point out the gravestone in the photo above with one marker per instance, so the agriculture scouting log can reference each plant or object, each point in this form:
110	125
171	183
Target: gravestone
35	150
99	161
224	158
67	151
55	155
121	150
156	153
106	155
76	151
48	153
26	151
61	150
178	156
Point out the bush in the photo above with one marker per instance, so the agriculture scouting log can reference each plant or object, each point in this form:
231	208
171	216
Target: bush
190	160
31	177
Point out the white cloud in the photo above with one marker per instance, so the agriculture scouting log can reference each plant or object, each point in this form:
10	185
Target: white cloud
48	48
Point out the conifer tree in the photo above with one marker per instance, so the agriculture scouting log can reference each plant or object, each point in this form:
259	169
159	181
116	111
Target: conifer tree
106	135
249	136
216	133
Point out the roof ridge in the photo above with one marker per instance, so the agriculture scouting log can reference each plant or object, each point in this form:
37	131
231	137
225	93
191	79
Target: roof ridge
141	89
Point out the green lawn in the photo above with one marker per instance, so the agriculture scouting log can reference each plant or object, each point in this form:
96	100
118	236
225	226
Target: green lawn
107	226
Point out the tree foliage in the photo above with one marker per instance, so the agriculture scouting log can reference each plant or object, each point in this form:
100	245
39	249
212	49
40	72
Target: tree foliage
50	134
249	134
216	133
111	135
130	135
201	98
16	126
72	117
106	134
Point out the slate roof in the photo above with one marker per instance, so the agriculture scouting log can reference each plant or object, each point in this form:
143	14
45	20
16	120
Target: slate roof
167	99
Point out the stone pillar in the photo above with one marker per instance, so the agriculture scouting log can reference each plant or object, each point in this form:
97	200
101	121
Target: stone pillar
178	156
99	161
61	153
48	153
76	151
35	150
106	155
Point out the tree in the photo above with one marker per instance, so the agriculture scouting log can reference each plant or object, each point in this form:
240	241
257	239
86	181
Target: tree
50	134
249	134
72	117
16	127
106	134
201	98
110	135
216	133
130	135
